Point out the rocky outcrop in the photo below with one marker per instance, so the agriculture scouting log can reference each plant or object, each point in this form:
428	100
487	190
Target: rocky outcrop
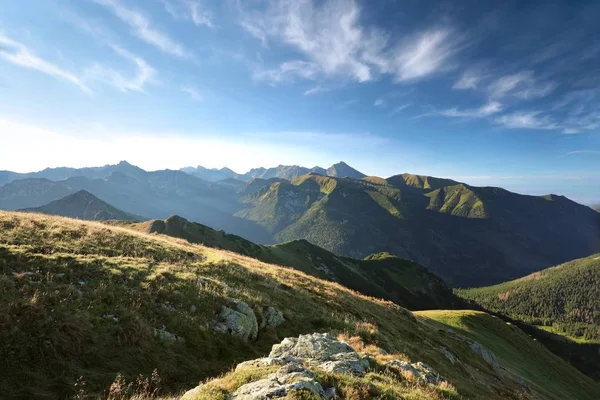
238	319
289	378
299	357
421	372
486	354
272	317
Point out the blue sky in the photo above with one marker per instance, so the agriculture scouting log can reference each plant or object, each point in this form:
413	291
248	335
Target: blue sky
504	96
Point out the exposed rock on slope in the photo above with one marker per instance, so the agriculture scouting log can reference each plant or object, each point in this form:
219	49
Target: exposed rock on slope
298	362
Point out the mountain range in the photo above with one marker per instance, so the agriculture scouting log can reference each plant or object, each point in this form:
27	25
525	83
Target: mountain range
467	235
288	172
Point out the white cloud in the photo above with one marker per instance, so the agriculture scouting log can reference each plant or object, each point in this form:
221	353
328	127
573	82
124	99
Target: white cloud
470	79
143	29
18	54
400	108
192	92
424	55
330	35
522	85
145	73
287	72
191	10
526	120
583	152
380	102
485	110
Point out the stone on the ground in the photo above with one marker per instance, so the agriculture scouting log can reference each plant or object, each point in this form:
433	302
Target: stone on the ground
273	317
238	319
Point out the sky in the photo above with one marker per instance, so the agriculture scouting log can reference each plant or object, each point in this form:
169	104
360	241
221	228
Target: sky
504	95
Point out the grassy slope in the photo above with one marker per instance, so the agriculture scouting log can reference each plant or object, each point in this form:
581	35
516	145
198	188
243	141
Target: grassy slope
559	306
384	276
516	352
64	281
566	297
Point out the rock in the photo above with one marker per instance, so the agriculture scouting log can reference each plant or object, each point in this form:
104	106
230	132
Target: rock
318	346
422	372
273	317
238	319
486	354
298	358
278	385
166	336
451	357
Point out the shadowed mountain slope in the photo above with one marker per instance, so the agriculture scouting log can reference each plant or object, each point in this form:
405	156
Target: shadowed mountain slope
467	235
380	275
84	205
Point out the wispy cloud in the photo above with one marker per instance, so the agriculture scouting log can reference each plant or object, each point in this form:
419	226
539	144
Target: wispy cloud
191	10
193	93
583	152
18	54
470	79
527	120
331	37
143	29
485	110
522	85
397	109
425	54
287	72
113	77
347	104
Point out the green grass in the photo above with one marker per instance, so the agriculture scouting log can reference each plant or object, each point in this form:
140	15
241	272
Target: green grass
79	302
518	354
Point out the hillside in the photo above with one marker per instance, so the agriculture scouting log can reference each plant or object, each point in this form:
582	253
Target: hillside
467	235
562	304
83	205
82	302
380	275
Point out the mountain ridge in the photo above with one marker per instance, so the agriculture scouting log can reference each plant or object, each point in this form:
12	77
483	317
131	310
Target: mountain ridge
380	275
467	235
84	205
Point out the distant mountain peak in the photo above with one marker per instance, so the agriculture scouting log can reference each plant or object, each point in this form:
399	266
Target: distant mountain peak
84	205
343	170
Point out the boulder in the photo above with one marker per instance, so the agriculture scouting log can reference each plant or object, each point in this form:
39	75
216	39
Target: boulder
238	319
316	346
273	317
486	354
422	372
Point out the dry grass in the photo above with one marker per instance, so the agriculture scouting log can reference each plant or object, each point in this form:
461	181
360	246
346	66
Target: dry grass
81	299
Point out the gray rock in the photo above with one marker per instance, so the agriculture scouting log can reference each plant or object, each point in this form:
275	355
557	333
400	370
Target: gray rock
486	354
238	319
273	317
421	371
166	336
318	346
278	385
451	357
